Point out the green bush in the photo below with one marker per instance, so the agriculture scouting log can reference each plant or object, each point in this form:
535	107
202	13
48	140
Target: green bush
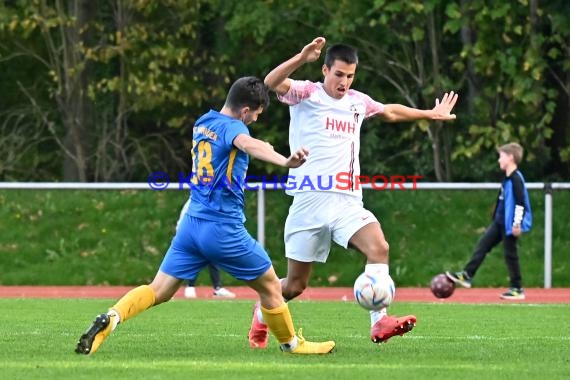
69	237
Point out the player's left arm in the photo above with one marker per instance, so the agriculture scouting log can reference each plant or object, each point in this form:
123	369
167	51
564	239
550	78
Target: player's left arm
442	111
518	192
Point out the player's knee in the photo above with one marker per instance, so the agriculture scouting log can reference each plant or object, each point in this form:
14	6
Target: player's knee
384	247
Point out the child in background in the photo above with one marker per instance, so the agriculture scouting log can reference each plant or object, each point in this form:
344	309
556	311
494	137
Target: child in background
512	217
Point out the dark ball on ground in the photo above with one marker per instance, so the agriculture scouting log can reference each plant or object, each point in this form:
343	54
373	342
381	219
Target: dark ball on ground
441	286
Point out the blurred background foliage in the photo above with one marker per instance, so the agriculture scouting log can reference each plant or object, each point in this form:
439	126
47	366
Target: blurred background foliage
107	90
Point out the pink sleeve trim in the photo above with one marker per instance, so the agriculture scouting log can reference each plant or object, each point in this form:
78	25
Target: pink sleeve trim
373	107
299	91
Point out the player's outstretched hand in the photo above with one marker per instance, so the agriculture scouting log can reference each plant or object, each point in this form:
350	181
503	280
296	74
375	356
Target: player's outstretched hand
312	51
298	158
442	111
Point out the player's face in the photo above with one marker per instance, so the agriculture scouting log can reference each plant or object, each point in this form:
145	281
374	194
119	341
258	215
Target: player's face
338	78
505	160
249	116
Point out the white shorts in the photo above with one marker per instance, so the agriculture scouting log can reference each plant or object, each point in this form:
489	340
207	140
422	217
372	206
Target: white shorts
317	217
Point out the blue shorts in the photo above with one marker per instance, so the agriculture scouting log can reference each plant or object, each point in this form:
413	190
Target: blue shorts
227	246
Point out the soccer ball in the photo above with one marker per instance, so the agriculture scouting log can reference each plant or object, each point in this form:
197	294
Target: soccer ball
374	292
441	286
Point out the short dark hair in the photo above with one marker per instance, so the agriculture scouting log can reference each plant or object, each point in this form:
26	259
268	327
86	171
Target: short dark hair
341	52
248	92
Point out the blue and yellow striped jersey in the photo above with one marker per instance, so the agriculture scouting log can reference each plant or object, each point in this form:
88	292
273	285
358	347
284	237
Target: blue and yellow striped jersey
218	169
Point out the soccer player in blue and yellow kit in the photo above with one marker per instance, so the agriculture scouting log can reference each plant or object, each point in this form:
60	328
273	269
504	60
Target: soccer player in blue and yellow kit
213	231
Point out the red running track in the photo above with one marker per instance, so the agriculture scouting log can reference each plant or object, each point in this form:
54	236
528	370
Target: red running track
476	295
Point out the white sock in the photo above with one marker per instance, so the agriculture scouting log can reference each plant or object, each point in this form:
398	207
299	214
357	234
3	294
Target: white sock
259	315
115	320
291	345
384	270
375	316
377	268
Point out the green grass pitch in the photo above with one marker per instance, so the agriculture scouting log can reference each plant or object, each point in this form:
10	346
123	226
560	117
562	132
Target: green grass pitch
208	340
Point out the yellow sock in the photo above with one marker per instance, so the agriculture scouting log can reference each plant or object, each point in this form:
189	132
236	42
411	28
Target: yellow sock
134	302
280	323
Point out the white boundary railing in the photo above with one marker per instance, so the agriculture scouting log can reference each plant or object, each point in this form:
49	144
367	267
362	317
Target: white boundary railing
261	188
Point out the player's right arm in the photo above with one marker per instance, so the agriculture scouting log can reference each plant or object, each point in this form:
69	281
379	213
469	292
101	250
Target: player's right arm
264	151
278	79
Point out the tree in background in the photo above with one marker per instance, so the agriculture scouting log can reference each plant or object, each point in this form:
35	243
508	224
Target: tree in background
122	78
115	84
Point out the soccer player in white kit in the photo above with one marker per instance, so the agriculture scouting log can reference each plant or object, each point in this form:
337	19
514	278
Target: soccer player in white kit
327	205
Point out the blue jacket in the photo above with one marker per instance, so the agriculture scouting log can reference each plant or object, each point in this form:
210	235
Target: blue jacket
510	203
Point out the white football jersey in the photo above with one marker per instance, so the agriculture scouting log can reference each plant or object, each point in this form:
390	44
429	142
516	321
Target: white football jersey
330	129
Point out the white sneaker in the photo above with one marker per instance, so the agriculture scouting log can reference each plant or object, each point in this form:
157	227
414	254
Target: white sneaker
224	293
190	292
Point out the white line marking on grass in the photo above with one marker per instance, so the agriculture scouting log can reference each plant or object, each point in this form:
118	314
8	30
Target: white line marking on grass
481	337
224	366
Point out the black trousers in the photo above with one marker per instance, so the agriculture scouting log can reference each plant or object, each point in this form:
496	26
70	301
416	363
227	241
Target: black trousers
494	234
214	276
